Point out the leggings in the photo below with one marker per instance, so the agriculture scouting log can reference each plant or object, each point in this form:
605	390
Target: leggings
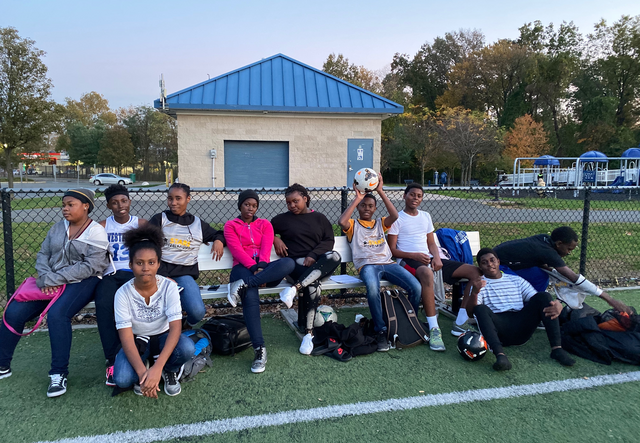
517	327
308	302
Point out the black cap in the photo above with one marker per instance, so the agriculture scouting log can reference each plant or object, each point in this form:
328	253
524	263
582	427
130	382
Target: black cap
84	195
249	193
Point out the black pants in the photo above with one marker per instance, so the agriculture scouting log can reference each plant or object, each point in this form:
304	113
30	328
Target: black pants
517	327
308	302
105	293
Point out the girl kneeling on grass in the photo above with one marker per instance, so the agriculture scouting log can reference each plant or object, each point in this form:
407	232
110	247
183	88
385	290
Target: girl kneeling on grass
149	321
250	240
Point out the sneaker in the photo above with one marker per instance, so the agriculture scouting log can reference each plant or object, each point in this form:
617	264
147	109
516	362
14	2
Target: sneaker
234	292
457	331
287	296
435	340
307	345
137	389
5	372
171	383
381	340
110	381
57	385
259	360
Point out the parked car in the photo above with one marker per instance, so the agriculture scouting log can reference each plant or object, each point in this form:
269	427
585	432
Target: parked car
109	179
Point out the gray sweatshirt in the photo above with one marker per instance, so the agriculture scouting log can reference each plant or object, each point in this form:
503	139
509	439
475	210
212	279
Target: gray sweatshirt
61	261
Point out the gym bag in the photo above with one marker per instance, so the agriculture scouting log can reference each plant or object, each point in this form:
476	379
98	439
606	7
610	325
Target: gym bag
228	334
201	356
403	327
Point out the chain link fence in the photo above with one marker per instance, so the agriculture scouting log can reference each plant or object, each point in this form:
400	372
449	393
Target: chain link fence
607	220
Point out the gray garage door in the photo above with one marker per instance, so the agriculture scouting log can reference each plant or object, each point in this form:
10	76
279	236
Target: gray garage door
256	164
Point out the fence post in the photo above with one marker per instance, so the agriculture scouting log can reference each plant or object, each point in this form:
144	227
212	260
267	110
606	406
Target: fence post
344	203
7	230
585	231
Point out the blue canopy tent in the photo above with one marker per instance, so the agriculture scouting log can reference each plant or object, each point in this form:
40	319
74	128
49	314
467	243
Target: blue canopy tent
546	160
589	165
547	165
630	166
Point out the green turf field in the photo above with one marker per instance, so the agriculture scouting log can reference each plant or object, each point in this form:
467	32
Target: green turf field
296	382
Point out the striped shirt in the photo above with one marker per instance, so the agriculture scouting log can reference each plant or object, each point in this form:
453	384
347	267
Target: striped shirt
507	293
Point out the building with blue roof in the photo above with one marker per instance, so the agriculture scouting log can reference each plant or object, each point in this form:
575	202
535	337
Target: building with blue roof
276	122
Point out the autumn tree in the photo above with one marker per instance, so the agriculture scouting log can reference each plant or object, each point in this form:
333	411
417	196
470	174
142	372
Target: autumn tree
339	66
468	135
527	138
27	112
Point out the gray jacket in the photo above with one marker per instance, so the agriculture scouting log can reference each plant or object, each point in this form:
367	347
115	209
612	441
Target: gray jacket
61	261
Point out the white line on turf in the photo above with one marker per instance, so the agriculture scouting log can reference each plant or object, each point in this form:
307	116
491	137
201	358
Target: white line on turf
362	408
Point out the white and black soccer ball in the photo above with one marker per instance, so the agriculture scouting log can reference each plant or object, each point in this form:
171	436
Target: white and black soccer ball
324	314
366	180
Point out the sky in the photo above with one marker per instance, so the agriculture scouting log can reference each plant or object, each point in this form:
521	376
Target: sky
120	48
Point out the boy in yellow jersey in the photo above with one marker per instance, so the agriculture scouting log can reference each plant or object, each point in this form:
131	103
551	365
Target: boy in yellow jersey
372	257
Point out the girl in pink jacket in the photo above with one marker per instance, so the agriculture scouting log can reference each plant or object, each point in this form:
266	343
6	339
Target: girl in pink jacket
249	240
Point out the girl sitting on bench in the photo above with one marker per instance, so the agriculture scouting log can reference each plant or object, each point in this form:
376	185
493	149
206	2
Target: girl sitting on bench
183	235
250	240
307	237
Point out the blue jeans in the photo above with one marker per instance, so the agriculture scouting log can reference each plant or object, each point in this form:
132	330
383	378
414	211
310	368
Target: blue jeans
271	275
73	299
125	376
190	299
394	273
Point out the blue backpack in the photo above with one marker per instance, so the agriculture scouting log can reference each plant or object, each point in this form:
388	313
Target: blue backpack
202	355
456	243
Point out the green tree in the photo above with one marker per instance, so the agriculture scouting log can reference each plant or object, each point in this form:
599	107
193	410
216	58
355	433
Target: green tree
27	112
83	142
116	148
89	110
339	66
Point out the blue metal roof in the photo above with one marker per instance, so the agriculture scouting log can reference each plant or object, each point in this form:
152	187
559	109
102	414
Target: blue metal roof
280	84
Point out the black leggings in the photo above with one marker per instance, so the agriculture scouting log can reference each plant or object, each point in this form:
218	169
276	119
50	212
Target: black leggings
308	302
517	327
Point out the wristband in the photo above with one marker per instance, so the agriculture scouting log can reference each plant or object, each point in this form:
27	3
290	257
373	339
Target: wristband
585	285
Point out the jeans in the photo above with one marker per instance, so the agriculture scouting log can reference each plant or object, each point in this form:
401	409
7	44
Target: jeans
308	302
125	376
396	274
271	275
516	327
105	294
191	299
73	299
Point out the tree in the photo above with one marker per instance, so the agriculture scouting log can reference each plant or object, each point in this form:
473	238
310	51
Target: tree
26	111
527	138
116	148
468	135
83	142
339	66
90	109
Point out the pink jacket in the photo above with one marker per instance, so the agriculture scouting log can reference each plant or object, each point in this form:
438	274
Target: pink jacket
246	242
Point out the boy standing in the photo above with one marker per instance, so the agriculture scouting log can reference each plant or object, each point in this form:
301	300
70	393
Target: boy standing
372	256
411	239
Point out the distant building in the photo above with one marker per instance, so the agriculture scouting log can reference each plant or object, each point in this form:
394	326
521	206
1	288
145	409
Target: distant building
276	122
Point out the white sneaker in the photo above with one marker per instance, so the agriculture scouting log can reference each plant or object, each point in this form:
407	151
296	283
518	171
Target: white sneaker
234	288
287	296
307	345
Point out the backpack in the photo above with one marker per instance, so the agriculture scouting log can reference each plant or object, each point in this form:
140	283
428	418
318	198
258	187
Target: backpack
202	355
403	327
456	243
228	334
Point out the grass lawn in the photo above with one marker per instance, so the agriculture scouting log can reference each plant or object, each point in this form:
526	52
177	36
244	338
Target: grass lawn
293	381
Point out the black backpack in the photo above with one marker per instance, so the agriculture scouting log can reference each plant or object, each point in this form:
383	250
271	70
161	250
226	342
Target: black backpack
403	327
228	334
202	355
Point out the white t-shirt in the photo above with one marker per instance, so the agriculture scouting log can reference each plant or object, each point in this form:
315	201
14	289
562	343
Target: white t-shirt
131	311
507	293
412	231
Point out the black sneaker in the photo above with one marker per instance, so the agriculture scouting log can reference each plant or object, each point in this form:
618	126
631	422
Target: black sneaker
5	372
57	385
381	340
171	384
110	381
259	360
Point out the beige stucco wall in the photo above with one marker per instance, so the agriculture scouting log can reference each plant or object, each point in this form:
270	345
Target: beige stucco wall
317	144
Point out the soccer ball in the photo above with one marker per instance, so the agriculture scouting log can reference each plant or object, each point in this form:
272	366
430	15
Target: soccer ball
323	315
366	180
471	346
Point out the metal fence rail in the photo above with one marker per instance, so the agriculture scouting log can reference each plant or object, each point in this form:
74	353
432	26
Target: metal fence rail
607	219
